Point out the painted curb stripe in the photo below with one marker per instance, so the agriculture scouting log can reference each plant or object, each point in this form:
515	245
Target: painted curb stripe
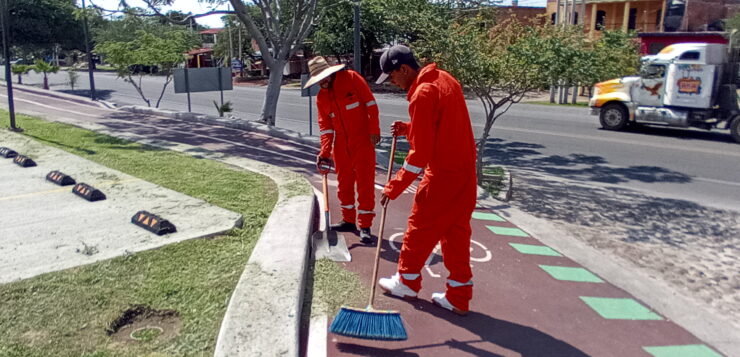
506	231
620	308
681	351
535	249
571	274
488	216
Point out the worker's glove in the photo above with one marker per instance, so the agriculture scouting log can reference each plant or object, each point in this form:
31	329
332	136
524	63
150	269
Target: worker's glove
324	164
399	128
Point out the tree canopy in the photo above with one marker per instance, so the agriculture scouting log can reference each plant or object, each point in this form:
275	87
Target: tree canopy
36	26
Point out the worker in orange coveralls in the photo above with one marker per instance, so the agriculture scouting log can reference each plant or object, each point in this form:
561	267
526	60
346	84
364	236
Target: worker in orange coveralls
442	145
349	125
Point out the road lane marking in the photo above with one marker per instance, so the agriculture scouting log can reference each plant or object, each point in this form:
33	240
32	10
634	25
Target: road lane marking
51	107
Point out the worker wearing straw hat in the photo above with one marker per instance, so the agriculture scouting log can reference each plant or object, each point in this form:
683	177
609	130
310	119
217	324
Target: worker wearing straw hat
349	126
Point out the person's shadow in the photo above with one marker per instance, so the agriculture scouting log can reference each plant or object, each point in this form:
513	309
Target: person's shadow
527	341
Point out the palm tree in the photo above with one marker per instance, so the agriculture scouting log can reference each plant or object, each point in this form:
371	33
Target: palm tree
20	70
43	67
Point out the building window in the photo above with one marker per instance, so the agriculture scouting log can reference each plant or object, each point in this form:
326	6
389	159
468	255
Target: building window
600	17
632	22
553	18
575	19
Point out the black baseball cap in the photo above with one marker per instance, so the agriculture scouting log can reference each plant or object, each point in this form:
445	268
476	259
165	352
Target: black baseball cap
393	58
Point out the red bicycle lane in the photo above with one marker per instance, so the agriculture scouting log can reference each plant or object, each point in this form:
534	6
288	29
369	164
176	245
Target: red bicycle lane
529	300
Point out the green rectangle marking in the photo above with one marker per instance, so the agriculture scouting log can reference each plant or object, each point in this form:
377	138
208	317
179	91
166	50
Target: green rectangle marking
488	216
681	351
506	231
620	308
535	249
571	274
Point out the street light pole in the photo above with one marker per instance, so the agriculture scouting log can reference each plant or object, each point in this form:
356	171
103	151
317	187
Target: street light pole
90	62
358	59
6	53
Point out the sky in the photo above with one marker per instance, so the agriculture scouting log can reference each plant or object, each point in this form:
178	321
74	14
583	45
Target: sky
195	6
185	6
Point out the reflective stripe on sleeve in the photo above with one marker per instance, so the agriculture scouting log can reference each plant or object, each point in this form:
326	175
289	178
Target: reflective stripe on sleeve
330	131
348	206
365	212
411	168
353	105
410	276
370	103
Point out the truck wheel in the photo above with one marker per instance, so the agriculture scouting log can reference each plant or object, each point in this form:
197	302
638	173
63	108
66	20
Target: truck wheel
735	129
613	116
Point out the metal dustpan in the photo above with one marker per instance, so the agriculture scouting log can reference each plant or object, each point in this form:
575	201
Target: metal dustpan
327	243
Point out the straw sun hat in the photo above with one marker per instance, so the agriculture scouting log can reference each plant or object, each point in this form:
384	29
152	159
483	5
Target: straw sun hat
320	69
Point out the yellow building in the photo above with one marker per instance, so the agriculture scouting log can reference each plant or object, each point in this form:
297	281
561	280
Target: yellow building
638	15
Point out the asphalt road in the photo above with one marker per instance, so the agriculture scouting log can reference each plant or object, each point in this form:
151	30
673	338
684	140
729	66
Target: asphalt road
562	143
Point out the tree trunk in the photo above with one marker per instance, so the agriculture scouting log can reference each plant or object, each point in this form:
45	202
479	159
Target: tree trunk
20	79
269	106
552	93
46	82
575	94
482	144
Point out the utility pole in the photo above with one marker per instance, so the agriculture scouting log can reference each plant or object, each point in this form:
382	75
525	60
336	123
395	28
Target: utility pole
358	59
4	17
90	62
231	39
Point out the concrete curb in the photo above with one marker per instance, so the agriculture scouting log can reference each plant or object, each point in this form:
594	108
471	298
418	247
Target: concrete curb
65	96
264	311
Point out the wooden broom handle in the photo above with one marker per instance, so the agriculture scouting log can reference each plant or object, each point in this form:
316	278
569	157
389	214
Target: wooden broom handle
382	226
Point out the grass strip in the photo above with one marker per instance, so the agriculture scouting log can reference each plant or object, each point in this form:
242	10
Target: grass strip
66	313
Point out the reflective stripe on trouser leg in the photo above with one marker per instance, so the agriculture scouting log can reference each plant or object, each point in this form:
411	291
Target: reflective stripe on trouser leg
364	161
346	187
456	251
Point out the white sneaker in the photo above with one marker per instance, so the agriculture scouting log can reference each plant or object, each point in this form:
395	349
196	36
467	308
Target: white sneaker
396	287
440	300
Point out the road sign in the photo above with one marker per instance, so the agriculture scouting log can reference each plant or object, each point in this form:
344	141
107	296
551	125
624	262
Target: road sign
310	92
236	64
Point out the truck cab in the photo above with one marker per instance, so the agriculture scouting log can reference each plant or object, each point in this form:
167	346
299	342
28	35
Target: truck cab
685	85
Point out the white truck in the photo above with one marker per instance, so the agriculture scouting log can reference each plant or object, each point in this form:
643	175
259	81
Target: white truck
685	85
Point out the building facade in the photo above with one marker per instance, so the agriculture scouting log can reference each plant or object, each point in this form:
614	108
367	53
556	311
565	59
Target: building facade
685	20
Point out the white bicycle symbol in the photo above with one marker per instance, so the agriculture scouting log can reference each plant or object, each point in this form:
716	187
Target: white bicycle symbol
435	253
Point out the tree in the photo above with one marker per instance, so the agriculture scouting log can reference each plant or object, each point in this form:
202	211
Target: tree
38	25
41	66
278	28
229	44
499	64
20	70
163	51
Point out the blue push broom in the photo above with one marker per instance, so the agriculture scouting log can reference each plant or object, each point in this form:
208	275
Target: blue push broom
369	323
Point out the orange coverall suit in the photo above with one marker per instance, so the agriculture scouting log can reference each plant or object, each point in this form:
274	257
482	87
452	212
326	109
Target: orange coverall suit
442	144
348	114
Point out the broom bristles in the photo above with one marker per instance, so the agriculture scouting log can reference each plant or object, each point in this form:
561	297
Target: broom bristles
369	324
